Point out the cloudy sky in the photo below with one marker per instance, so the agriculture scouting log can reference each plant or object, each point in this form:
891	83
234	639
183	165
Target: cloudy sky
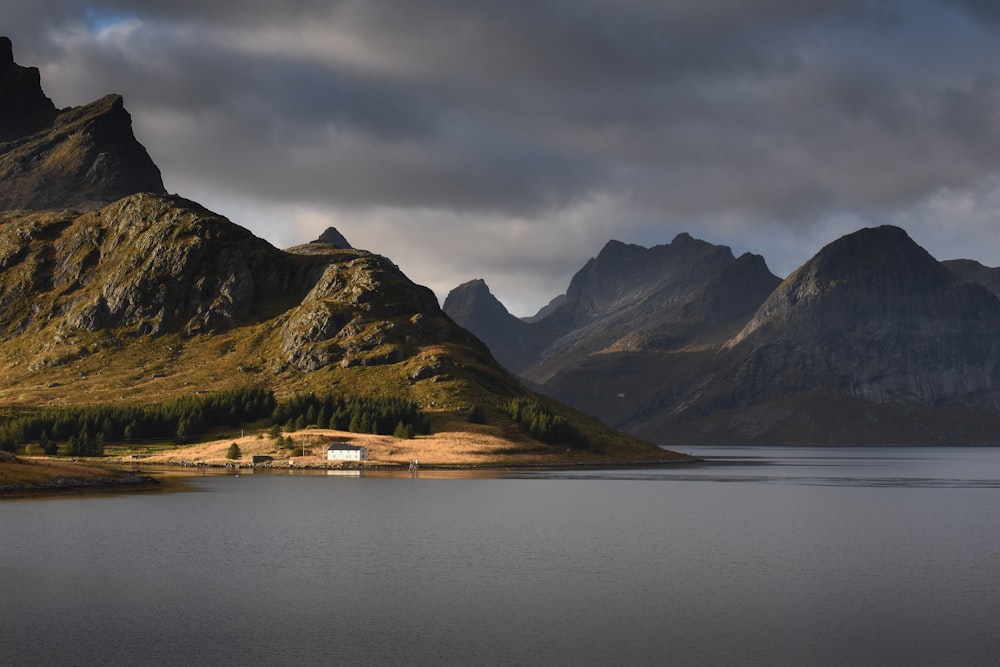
511	140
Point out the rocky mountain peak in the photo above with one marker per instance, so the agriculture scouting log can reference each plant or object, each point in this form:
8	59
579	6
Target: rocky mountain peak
874	316
80	158
885	254
472	306
24	108
873	273
625	274
473	299
331	236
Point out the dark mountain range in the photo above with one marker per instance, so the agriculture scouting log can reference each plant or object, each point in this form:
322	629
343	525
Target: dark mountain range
871	341
628	298
113	291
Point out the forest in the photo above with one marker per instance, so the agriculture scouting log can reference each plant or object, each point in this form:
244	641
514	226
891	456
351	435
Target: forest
84	430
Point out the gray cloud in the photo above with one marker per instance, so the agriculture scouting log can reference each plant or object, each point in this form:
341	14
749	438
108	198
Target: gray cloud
515	138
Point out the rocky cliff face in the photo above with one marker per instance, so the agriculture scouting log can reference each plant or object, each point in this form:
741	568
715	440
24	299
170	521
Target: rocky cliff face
24	108
80	158
874	316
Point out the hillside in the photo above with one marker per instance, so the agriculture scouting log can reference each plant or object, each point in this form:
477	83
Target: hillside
113	292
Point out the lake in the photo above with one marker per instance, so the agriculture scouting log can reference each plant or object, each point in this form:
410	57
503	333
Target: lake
762	556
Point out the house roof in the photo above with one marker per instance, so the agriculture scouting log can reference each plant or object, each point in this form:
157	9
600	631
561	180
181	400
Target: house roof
339	446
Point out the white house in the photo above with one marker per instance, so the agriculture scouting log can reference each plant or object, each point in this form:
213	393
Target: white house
340	451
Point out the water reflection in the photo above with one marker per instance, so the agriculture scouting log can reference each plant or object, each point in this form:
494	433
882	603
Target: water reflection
916	467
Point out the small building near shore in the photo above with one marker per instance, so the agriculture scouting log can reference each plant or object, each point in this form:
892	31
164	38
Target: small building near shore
341	451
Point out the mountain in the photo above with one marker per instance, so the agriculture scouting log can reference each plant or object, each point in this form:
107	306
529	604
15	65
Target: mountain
974	272
628	298
474	307
82	157
150	296
24	108
546	310
332	237
91	285
874	316
870	341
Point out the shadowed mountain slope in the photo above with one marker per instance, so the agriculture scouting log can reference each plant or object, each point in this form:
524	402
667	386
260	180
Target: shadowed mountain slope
974	272
688	292
81	157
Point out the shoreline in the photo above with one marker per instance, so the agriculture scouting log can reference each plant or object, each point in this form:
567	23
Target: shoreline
289	464
127	475
70	486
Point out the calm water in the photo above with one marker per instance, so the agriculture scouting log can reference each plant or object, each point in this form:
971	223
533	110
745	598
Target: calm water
792	556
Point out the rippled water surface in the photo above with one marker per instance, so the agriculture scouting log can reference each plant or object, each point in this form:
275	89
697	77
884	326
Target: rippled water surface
760	556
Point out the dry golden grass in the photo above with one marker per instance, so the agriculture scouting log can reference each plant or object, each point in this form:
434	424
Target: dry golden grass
471	447
30	472
468	448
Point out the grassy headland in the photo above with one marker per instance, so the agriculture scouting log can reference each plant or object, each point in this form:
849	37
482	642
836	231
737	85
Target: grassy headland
28	477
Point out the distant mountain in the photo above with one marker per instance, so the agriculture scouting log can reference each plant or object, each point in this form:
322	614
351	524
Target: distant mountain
474	307
112	291
871	341
630	298
874	316
546	310
627	298
974	272
82	158
332	237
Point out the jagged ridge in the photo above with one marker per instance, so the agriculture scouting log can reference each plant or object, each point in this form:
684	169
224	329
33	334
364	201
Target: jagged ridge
83	157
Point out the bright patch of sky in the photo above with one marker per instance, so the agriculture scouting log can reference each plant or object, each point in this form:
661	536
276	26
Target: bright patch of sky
100	19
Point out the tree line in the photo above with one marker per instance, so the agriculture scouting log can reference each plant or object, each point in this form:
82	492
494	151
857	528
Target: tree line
543	424
382	415
85	429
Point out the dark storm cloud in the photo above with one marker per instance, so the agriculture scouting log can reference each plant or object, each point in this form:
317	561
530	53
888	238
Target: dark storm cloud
727	118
